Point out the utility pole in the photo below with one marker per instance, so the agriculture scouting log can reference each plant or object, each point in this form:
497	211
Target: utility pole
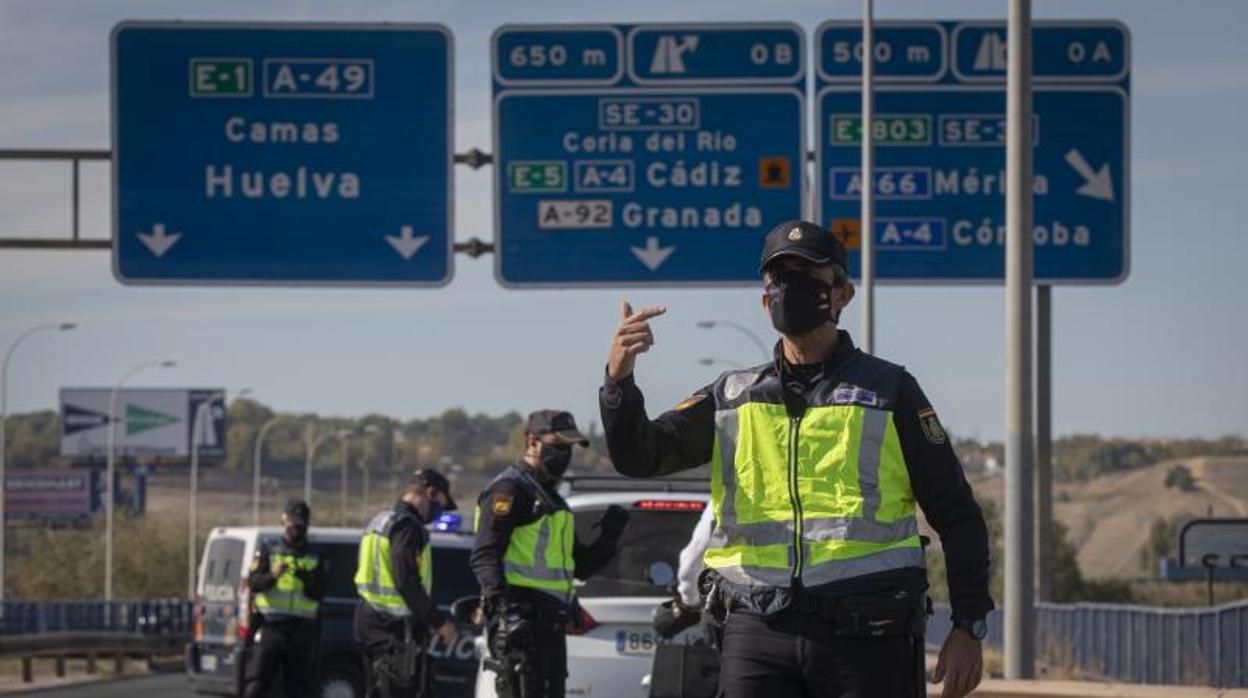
1020	636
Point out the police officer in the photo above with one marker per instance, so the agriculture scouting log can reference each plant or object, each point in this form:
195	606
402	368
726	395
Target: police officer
394	578
818	459
527	555
287	582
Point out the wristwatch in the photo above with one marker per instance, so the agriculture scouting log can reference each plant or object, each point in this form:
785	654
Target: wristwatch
977	629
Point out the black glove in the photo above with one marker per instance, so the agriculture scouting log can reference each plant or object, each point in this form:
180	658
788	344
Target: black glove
613	521
672	616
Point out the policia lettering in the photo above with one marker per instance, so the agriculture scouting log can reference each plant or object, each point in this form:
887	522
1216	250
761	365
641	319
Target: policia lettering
374	576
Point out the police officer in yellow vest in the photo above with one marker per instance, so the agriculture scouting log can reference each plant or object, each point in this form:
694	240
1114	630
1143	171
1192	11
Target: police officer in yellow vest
287	581
394	577
527	555
818	460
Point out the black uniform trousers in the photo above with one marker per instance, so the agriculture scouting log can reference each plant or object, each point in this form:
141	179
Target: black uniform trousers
547	670
288	645
383	639
797	655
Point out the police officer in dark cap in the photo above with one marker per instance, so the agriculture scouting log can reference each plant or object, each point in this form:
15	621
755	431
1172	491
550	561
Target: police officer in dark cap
820	459
527	555
394	576
287	582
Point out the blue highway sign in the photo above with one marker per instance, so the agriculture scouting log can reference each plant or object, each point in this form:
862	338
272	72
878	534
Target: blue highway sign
644	154
282	154
940	149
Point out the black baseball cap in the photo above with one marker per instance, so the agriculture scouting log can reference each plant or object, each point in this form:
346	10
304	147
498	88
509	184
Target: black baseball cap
428	477
804	239
556	422
298	512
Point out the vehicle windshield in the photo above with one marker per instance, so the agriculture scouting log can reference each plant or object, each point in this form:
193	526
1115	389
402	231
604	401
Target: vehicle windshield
646	561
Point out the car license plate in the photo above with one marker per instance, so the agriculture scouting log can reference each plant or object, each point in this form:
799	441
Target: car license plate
208	662
635	642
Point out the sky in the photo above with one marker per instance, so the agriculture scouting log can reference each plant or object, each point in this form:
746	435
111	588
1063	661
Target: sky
1161	355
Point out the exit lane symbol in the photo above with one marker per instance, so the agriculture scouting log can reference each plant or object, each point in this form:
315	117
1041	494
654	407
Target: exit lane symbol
158	241
1098	184
652	255
407	243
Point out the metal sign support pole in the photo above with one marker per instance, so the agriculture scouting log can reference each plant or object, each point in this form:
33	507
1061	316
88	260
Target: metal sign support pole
1044	443
867	177
1019	568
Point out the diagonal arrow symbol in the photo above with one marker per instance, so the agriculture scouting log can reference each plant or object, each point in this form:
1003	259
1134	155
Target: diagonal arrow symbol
1098	184
158	241
407	243
652	255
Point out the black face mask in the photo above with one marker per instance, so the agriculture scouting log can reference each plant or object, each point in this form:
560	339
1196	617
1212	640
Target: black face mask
555	460
435	511
798	303
296	535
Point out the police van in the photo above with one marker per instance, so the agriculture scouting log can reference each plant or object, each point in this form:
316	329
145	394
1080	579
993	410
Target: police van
611	650
217	653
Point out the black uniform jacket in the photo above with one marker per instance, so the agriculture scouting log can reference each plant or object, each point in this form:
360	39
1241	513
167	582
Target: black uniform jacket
408	539
682	438
260	579
511	501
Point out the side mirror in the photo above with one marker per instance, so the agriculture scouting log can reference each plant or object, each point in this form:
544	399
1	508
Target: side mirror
466	610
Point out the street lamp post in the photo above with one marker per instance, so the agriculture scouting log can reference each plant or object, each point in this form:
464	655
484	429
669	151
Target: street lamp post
762	347
193	513
311	455
4	413
256	465
370	429
110	473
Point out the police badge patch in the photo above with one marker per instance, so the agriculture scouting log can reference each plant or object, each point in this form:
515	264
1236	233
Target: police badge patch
931	426
501	504
690	401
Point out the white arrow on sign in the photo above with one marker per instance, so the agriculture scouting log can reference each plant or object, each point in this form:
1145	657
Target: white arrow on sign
407	243
1098	184
158	241
652	255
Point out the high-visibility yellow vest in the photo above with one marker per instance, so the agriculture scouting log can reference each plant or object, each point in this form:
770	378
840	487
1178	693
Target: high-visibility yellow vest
540	554
818	498
374	573
286	598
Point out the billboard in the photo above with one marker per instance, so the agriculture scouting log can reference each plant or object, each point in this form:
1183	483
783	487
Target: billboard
59	494
148	422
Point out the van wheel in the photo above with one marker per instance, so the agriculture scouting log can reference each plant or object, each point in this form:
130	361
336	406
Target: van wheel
340	681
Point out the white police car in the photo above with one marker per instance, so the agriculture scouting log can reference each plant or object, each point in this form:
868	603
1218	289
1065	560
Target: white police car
611	655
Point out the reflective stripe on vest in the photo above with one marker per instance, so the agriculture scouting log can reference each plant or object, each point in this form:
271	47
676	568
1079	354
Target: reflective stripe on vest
374	576
822	498
286	598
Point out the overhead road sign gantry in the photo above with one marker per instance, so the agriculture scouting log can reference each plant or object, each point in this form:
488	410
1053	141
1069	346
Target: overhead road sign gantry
303	154
940	149
649	154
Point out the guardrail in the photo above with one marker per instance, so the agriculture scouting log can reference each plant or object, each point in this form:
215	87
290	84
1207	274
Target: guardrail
93	629
90	645
1139	644
156	617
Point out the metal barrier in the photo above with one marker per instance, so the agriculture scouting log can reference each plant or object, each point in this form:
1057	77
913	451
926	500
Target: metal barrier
1175	646
158	617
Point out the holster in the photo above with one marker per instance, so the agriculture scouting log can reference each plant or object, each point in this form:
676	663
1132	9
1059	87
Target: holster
895	613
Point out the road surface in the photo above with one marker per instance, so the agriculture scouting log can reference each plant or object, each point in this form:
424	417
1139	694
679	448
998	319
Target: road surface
163	685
